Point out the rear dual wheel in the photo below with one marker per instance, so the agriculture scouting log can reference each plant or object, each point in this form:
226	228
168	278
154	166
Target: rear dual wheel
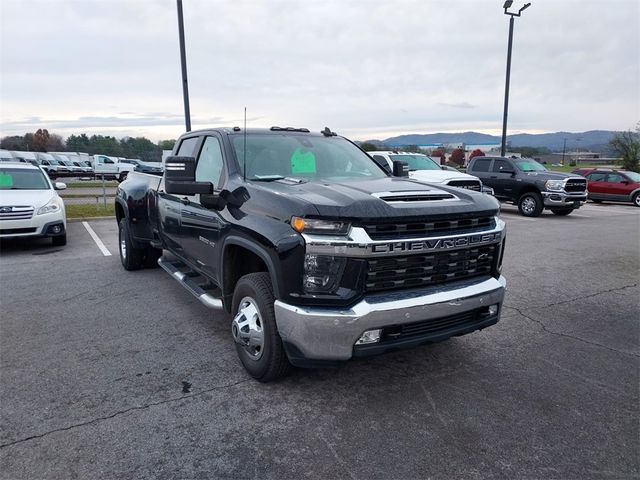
132	256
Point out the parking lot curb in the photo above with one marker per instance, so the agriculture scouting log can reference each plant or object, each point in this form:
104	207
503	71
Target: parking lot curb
85	219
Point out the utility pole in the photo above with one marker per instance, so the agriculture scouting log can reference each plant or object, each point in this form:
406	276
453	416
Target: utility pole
183	61
564	149
506	6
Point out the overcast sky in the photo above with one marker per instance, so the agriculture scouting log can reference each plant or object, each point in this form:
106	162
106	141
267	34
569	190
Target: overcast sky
367	69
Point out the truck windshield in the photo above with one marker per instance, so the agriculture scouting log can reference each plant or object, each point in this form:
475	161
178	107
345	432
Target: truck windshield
22	179
275	156
529	165
417	162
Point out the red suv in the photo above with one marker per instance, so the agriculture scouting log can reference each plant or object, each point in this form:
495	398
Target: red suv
614	185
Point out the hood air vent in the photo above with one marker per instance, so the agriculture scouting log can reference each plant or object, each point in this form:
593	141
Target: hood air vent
419	196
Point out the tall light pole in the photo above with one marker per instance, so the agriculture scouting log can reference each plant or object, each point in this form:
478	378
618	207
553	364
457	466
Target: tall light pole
183	61
506	6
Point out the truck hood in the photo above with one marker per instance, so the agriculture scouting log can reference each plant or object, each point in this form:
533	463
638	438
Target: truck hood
33	198
439	176
551	175
365	199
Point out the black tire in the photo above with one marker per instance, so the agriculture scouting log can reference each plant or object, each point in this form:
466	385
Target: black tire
59	241
273	362
131	257
151	256
122	177
636	199
530	204
561	211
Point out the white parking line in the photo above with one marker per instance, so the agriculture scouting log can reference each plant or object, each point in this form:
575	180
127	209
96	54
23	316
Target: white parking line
96	239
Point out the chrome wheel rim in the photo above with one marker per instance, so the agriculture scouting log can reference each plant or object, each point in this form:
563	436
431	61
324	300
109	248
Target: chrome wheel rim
637	200
247	328
528	205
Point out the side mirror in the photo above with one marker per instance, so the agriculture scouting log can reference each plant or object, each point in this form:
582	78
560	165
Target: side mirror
625	182
59	186
510	172
400	168
180	177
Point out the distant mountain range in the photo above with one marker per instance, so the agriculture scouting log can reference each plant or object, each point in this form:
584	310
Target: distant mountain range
593	140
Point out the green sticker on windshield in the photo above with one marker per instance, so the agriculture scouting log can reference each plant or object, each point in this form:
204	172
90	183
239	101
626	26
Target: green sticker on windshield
6	180
303	162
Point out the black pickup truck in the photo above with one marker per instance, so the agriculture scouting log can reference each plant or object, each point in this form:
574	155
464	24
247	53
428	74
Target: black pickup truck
317	252
526	183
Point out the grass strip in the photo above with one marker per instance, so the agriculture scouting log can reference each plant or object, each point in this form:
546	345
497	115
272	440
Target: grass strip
87	211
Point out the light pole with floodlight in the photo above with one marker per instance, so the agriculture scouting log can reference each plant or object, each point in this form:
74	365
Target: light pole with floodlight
506	6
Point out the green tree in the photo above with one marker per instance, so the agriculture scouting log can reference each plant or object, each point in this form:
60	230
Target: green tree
15	142
368	147
627	145
166	144
78	143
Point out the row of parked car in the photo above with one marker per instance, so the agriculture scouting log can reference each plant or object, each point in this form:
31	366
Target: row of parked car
523	181
77	164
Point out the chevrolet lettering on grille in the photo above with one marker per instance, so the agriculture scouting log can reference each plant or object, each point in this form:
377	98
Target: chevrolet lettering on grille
434	245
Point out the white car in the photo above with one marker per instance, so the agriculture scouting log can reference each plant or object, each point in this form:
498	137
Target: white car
30	207
425	169
104	165
66	161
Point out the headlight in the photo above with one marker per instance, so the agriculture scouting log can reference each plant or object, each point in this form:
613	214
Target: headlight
554	185
51	206
322	227
322	273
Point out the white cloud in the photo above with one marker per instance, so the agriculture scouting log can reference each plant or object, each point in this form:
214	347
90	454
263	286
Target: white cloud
365	68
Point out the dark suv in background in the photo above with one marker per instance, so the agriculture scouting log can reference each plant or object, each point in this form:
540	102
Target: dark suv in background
529	185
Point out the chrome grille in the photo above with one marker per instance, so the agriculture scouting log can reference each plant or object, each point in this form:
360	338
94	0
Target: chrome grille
410	271
16	213
576	185
389	231
474	185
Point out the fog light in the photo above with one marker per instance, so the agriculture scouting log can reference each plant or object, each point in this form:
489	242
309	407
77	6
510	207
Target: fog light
489	311
56	229
370	336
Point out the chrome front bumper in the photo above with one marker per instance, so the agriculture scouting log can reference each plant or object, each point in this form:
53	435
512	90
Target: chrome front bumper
330	334
559	199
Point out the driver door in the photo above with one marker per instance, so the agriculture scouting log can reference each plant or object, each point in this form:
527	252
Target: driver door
502	179
201	227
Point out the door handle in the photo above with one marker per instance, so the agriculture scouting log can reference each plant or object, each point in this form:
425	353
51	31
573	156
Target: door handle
185	201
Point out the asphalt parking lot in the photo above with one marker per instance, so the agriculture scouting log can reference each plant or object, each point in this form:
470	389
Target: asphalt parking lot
107	373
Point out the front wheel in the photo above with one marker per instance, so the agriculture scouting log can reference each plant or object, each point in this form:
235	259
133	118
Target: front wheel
636	199
561	211
530	204
254	329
